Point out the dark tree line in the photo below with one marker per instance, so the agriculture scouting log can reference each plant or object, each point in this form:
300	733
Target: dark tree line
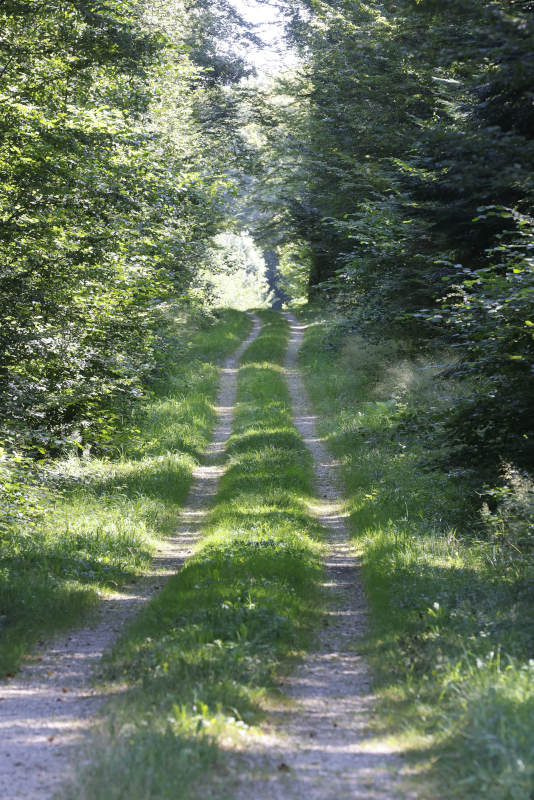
405	151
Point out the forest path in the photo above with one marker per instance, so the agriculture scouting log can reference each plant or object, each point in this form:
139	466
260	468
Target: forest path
320	747
46	711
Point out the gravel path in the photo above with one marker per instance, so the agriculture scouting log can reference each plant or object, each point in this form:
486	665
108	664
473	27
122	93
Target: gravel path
46	711
320	748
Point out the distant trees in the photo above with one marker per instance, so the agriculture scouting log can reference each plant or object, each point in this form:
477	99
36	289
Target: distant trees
234	272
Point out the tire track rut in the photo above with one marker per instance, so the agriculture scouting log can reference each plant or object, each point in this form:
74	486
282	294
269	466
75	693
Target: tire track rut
321	749
46	711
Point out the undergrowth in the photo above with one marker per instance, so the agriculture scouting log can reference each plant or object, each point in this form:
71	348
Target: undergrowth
75	527
450	590
192	670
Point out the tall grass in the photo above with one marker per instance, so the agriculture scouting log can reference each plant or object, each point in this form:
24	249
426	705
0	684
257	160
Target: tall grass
192	670
451	640
77	527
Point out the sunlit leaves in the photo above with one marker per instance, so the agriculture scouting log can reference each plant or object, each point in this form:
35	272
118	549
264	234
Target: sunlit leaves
106	199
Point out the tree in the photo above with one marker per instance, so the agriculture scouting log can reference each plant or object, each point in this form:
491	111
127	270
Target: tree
404	126
112	180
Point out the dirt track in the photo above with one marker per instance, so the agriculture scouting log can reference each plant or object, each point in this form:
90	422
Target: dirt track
46	711
321	748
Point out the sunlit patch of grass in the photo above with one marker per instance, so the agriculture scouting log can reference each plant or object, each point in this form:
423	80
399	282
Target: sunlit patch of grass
196	664
97	520
450	641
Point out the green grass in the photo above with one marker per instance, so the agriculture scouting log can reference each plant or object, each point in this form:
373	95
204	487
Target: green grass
452	641
192	670
87	525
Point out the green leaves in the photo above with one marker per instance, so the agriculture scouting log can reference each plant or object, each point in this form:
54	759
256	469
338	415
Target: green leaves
106	203
407	151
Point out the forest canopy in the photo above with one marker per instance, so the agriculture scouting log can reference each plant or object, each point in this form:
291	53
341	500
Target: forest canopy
161	174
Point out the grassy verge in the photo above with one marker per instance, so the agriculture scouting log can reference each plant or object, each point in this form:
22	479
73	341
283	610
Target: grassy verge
81	526
193	667
451	599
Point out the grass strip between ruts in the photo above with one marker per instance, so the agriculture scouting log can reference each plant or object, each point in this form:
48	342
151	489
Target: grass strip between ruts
98	519
193	668
451	637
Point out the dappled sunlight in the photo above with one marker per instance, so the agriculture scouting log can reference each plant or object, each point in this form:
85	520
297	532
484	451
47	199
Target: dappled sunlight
267	367
448	601
44	711
318	745
247	598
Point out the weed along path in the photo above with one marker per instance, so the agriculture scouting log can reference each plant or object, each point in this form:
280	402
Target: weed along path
46	710
321	749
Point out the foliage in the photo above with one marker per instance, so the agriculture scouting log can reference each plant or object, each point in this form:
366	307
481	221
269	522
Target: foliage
111	179
384	153
489	316
294	268
233	273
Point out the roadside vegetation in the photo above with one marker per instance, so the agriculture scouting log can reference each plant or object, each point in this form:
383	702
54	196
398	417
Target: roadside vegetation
449	584
74	527
383	178
192	670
